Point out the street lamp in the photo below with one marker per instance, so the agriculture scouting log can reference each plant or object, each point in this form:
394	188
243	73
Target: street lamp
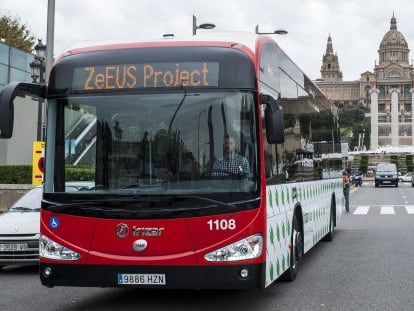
38	68
38	65
202	26
276	32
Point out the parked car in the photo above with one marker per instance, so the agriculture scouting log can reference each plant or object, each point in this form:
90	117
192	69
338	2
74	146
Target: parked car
20	226
20	230
386	174
406	177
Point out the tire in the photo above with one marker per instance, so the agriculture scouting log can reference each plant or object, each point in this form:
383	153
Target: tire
296	252
330	235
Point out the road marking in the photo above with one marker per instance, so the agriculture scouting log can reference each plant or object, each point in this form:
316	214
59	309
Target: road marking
384	209
410	209
387	210
361	210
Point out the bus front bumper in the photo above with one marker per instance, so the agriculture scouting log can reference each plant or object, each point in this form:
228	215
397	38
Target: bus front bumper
169	277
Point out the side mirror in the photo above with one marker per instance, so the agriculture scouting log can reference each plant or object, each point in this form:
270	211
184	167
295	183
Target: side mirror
7	96
275	121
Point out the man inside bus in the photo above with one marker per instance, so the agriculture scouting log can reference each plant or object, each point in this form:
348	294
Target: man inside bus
231	163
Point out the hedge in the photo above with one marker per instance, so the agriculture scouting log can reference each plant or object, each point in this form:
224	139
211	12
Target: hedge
22	174
15	174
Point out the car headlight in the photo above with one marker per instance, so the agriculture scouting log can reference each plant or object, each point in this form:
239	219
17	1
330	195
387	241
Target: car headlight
247	248
52	250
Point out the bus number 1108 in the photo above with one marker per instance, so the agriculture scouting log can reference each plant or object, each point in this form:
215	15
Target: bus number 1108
221	224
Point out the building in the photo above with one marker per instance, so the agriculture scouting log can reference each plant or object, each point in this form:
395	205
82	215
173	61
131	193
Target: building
387	91
15	66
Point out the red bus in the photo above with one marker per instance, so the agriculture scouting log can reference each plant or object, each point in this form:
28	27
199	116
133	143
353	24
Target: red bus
212	162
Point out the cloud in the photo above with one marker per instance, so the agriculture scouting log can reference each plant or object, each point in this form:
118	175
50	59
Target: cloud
357	27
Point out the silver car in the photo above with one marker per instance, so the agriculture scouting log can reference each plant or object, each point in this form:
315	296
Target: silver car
20	230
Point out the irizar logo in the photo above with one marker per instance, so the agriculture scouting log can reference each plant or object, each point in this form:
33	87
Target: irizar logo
122	231
140	231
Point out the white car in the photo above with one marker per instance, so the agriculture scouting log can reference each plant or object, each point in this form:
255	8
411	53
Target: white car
20	230
406	177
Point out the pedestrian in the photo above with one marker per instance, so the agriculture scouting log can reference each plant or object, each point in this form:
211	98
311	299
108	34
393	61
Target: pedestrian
346	186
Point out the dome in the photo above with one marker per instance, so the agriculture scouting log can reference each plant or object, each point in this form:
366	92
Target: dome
393	37
393	47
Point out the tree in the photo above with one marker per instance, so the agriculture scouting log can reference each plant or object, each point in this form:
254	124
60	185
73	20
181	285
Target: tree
16	34
353	122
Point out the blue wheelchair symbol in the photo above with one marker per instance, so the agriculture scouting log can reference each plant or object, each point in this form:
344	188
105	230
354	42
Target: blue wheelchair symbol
54	222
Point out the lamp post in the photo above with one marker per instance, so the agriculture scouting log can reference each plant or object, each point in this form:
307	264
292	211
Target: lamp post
276	32
202	26
38	72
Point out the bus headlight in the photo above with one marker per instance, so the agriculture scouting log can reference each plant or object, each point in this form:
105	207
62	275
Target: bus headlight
52	250
248	248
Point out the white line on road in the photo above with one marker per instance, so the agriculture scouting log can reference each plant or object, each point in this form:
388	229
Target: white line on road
361	210
388	210
410	209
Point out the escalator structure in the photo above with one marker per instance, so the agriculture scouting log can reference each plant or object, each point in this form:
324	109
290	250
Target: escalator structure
81	140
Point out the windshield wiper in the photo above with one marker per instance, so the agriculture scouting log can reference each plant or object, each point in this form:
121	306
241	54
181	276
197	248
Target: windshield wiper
219	203
55	206
24	208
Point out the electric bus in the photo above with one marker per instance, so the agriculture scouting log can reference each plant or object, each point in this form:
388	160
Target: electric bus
146	125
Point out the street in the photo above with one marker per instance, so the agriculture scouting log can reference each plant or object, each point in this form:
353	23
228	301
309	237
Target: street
368	266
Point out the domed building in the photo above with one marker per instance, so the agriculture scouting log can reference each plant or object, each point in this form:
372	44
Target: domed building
387	91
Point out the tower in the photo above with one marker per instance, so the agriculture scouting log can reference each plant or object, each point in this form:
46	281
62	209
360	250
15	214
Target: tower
330	70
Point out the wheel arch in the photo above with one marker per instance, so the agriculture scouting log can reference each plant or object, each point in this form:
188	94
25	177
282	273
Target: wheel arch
298	212
333	207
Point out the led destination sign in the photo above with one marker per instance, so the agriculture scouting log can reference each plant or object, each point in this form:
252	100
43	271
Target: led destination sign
147	75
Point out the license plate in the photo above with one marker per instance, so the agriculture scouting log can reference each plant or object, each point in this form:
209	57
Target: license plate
141	279
13	247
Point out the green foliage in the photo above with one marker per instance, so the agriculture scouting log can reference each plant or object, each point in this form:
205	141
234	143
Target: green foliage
363	164
352	122
78	172
22	174
394	159
16	174
16	34
409	161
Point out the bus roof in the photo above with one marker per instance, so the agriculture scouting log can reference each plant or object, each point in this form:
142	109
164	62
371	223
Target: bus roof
246	39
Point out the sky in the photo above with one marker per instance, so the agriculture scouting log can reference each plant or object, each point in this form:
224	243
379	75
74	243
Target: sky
356	26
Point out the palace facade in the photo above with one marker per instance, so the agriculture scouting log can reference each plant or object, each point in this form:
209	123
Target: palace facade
387	91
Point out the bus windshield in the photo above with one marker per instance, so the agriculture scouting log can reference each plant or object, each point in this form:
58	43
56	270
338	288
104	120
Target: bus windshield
177	142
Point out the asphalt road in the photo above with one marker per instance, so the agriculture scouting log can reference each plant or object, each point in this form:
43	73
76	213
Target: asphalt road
368	266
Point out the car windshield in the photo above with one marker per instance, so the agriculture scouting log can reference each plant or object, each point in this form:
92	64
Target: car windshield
169	143
386	168
29	201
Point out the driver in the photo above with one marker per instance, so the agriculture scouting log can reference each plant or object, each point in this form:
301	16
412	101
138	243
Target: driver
231	162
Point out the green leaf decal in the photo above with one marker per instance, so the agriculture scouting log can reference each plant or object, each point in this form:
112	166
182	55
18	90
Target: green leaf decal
277	197
270	198
271	272
272	236
277	233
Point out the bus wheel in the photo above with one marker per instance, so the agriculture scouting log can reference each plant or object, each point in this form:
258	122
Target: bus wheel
296	252
330	235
